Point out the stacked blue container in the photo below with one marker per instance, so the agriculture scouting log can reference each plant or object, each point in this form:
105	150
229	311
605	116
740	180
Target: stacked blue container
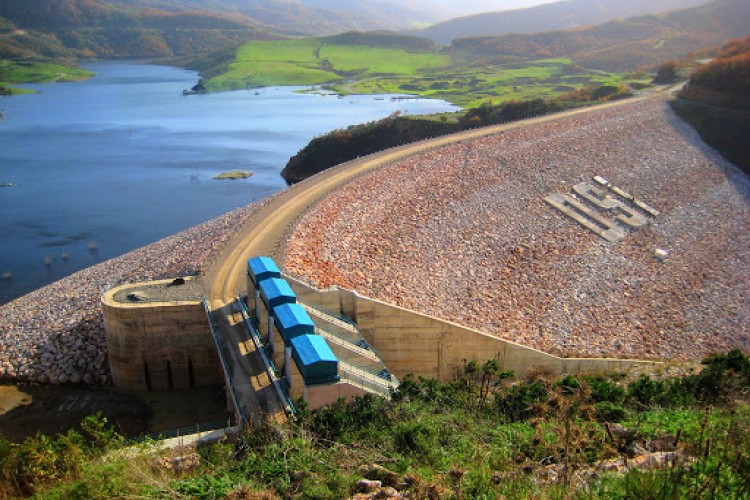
293	337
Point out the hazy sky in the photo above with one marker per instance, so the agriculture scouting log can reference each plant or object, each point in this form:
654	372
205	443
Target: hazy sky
481	5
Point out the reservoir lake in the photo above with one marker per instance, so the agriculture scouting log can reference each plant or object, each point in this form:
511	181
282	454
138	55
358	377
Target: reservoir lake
104	166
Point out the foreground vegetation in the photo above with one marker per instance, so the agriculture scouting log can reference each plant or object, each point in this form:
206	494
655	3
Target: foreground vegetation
480	436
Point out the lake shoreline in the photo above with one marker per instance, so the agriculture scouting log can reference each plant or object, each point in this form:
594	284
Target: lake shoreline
140	159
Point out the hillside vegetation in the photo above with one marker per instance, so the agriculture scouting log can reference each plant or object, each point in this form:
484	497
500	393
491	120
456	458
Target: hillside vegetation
724	81
386	63
476	70
480	436
716	102
304	17
46	29
319	60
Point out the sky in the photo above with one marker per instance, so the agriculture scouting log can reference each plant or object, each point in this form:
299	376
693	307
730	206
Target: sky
475	6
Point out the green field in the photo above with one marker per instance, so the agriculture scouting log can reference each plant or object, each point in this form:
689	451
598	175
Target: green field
314	61
12	72
374	69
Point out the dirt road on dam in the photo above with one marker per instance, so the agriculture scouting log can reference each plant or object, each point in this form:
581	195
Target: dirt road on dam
266	230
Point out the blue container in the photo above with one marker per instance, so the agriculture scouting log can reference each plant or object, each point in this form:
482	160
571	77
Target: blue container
275	292
315	360
292	321
262	268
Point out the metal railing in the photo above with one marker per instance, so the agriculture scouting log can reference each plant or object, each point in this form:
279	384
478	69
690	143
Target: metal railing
225	365
351	347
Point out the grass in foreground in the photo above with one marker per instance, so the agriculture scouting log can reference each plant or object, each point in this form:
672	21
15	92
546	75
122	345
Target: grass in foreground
480	436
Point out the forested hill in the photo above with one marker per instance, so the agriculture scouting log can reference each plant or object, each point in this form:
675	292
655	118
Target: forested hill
725	81
305	17
716	102
92	28
548	17
621	45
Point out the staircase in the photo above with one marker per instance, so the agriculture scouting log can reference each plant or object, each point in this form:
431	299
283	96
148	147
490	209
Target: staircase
359	364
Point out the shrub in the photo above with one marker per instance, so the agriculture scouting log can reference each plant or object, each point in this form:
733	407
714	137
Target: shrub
604	389
521	401
606	411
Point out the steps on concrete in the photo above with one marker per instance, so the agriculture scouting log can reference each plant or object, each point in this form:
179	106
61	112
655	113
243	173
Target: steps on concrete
359	364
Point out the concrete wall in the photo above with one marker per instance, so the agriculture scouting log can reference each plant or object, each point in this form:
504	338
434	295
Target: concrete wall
410	342
318	396
165	337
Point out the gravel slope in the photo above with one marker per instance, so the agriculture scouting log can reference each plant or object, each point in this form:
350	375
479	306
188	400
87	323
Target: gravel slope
463	233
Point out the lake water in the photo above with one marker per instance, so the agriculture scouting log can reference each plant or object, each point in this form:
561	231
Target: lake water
123	159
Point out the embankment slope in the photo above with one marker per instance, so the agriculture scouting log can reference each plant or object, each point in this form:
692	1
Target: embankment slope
463	233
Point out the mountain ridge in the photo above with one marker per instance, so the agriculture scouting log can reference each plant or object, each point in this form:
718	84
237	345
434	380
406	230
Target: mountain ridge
555	16
621	45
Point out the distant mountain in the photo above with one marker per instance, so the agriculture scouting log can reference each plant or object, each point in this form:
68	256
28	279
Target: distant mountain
554	16
93	28
620	45
328	17
304	17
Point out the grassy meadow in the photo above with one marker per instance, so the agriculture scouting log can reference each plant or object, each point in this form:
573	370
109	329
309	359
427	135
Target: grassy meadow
12	72
357	68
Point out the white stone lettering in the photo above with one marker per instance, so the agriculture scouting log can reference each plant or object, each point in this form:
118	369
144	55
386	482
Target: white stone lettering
586	217
597	197
589	214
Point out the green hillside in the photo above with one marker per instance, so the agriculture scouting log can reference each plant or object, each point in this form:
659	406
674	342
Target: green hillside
320	60
473	71
376	63
53	29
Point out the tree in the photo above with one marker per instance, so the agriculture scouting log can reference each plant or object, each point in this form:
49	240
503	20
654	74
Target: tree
667	72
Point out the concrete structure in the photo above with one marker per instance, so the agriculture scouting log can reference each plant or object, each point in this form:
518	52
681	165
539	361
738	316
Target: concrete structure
290	321
314	365
158	336
310	368
273	292
410	342
258	269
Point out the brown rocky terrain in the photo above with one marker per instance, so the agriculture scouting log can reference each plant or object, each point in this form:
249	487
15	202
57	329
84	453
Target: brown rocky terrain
463	233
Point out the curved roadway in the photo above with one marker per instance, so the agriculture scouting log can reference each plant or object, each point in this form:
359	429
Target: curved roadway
266	230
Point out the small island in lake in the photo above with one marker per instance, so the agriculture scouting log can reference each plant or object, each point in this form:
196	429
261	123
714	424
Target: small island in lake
234	174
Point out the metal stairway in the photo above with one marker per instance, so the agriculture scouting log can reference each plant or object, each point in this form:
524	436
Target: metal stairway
359	364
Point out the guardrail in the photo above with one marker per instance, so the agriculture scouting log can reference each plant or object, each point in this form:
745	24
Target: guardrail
386	389
225	365
267	362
